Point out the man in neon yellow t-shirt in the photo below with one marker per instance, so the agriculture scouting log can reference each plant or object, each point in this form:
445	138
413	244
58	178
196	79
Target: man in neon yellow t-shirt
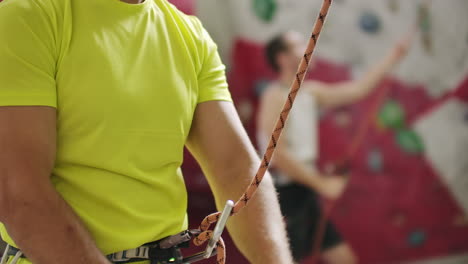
97	100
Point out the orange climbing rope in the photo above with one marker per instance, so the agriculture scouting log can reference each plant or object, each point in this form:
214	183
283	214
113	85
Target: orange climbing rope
252	188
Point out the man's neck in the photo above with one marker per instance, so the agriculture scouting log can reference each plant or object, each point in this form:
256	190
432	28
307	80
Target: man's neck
133	1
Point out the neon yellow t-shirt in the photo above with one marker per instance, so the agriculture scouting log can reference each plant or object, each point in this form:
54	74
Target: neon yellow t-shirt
125	79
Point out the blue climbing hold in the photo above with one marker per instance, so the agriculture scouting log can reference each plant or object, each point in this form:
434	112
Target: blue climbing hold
370	23
375	161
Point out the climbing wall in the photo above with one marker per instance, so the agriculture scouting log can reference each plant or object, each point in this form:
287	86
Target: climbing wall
408	196
374	25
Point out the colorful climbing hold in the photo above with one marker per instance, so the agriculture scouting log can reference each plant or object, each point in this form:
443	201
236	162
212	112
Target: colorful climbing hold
417	238
424	18
375	160
265	9
409	141
425	25
370	22
394	5
391	115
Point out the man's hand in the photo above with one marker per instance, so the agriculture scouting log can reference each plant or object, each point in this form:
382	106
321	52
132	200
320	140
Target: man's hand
222	148
403	45
332	186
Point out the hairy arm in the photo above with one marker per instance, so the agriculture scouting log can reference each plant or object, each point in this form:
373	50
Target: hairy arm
334	95
222	148
35	215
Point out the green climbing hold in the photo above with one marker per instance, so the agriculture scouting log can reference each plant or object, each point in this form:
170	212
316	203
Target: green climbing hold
424	17
417	238
392	115
409	141
425	26
265	9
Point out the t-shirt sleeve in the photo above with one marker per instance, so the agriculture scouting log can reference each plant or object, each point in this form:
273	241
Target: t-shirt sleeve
212	76
27	59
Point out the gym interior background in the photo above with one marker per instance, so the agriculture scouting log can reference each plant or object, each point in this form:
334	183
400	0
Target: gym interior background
407	201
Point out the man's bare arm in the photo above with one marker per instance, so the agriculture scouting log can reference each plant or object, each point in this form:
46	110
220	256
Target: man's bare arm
35	215
334	95
221	146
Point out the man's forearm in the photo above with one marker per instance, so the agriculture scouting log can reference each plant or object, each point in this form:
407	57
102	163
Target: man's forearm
258	230
46	228
378	72
339	94
375	75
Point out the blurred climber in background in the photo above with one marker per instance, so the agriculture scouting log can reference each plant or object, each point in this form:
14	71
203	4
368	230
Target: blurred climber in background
298	182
